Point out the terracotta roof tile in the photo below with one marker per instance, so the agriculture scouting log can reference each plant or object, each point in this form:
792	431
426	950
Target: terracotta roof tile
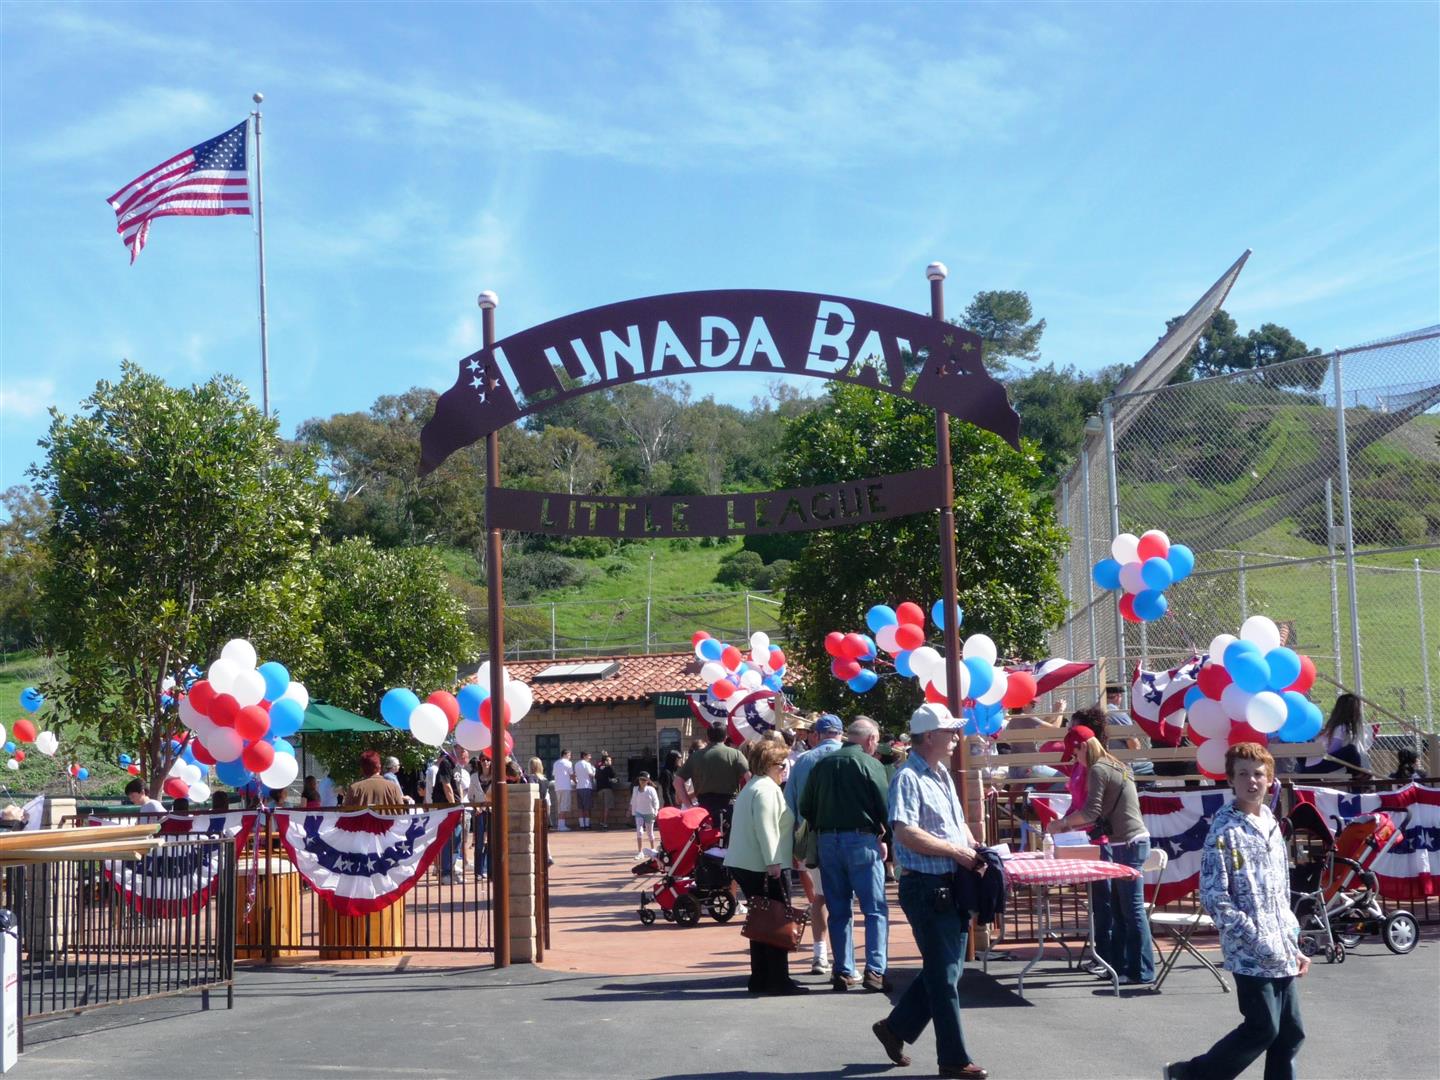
639	679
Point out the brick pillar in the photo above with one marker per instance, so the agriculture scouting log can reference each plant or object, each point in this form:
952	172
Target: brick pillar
523	923
52	893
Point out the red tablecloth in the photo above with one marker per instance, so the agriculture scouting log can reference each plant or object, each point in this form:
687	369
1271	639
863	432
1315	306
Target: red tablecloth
1025	870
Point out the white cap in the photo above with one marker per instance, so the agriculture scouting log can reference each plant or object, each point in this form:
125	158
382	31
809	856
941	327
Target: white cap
932	717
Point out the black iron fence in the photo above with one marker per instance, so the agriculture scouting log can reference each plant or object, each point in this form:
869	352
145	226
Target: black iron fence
96	932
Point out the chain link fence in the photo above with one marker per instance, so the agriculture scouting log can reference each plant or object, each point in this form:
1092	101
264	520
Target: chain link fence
1309	491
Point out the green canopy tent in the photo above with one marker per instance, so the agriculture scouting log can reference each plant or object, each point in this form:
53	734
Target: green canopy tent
332	718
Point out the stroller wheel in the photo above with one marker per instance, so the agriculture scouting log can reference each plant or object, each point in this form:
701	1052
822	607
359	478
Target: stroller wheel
1339	953
1331	955
687	911
722	907
1400	932
1349	939
647	916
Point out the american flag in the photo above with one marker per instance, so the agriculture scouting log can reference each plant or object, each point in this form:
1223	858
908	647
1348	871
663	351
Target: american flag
205	181
1157	697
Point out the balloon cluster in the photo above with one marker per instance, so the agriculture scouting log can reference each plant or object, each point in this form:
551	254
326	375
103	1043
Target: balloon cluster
240	715
900	631
129	764
24	732
467	714
79	772
731	678
1250	689
1143	567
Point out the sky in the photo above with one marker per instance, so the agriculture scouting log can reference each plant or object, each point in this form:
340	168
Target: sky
1111	160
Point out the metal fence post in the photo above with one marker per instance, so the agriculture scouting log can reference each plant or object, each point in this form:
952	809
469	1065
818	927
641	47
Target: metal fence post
1089	555
1065	566
1244	596
552	630
1343	452
1334	579
1424	645
1107	414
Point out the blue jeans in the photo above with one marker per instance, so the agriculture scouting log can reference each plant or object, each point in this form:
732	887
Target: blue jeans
1127	946
850	864
935	995
1100	912
1271	1026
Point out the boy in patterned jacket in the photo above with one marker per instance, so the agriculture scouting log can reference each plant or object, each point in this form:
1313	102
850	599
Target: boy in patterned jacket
1245	886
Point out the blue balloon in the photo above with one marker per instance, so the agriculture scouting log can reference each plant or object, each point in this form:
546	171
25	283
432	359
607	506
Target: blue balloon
232	773
1106	573
286	717
937	614
1284	667
711	648
992	723
773	682
1181	560
1156	573
1303	719
470	697
284	746
1249	671
982	675
82	773
396	707
9	746
871	650
188	755
879	617
863	682
126	759
31	699
1235	648
1193	695
902	664
277	679
1151	604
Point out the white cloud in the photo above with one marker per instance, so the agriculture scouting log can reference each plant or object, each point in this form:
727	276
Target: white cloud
154	113
26	398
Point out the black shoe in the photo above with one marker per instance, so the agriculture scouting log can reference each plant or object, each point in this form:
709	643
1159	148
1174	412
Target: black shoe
789	989
843	982
893	1044
876	982
963	1072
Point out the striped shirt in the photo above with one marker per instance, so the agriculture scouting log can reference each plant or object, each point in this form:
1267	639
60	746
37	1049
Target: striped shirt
926	798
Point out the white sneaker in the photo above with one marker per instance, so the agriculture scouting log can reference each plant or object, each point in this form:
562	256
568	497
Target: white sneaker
742	908
820	966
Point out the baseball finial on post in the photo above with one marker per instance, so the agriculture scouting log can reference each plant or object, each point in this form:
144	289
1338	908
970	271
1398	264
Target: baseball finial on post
257	97
936	271
488	300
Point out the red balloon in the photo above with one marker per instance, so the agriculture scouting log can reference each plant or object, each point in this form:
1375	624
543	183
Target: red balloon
845	670
1019	690
833	640
258	756
1243	732
1212	681
489	748
202	696
485	712
448	705
203	756
777	659
224	709
909	636
24	731
1151	547
731	657
934	695
722	688
132	769
698	636
176	788
854	647
1306	679
252	723
19	755
910	614
1127	609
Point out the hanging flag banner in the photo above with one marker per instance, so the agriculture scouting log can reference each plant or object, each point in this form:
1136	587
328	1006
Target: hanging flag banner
1157	701
750	719
176	880
360	861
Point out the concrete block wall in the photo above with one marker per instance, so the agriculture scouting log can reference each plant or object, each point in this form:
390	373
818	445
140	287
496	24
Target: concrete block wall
626	730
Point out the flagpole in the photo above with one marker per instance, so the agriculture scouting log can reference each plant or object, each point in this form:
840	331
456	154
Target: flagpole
260	223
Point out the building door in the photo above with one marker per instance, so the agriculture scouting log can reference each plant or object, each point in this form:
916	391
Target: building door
547	749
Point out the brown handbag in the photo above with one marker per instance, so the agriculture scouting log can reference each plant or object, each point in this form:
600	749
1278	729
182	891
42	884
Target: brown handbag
774	922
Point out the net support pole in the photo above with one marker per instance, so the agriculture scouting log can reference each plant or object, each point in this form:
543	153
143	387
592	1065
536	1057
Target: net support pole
1107	415
1342	451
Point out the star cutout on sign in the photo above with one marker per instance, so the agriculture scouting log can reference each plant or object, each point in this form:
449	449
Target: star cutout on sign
967	347
477	383
949	340
474	365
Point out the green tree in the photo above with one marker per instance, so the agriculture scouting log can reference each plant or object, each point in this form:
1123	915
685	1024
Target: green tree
1053	404
1002	318
1222	349
22	558
386	618
178	520
1007	542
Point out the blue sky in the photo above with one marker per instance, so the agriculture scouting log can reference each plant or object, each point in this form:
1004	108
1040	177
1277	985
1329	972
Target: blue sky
1112	160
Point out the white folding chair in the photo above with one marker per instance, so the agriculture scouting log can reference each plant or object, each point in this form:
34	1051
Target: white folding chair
1180	926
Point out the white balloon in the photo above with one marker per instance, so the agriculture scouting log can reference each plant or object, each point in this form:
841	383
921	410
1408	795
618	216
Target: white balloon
760	645
924	661
248	688
520	698
189	715
998	686
472	735
1235	701
1124	548
1208	719
979	645
47	743
167	684
281	773
482	676
1131	578
428	724
240	653
13	765
752	680
711	672
199	792
1262	631
1219	644
885	638
2	733
177	768
224	743
222	675
1211	756
1265	712
297	692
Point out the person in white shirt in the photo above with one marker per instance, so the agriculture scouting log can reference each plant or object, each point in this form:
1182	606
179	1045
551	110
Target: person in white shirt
584	787
564	772
463	788
135	792
644	806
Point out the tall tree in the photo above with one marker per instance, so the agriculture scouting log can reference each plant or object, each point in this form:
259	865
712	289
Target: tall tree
22	558
1002	318
178	520
1053	404
651	416
1222	349
574	460
1007	541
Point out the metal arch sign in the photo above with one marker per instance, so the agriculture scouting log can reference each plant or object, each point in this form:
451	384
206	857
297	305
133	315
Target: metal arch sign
772	332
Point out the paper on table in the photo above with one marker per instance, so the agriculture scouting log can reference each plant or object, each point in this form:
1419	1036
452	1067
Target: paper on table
1076	838
1003	850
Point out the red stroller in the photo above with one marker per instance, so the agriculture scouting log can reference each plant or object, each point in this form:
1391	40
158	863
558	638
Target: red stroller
690	880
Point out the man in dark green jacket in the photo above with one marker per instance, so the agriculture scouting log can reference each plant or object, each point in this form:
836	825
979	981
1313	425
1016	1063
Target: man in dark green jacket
845	802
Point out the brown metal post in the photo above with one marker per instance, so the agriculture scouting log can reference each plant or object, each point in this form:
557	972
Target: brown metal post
499	817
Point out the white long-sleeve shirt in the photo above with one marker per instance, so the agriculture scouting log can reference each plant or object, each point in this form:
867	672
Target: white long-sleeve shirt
645	800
